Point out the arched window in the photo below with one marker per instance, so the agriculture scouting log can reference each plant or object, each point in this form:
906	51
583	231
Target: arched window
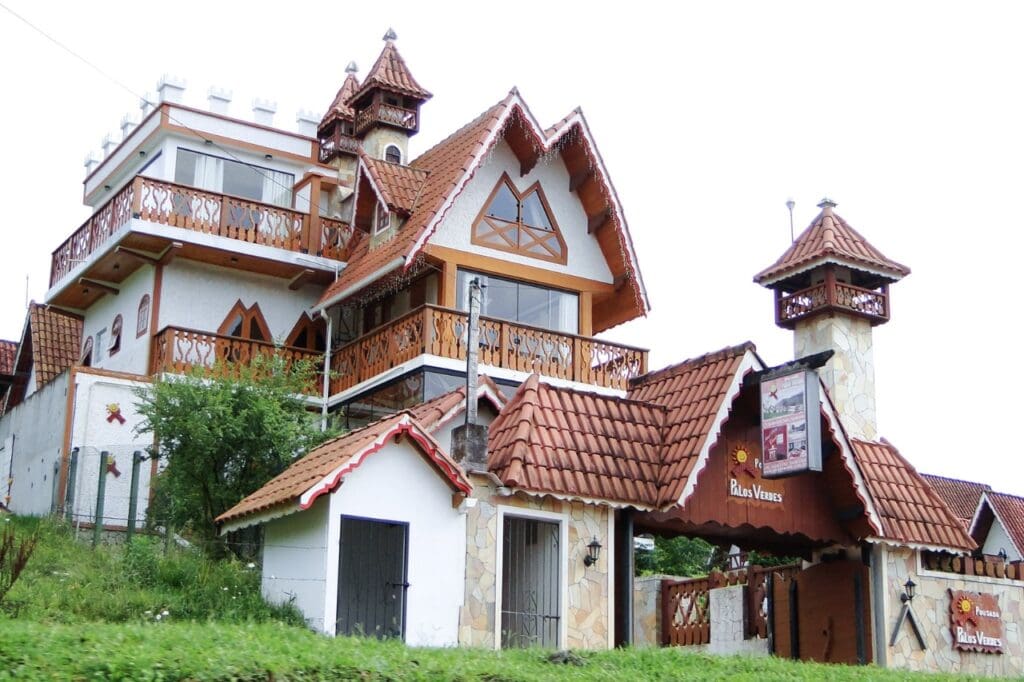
86	360
392	154
142	321
308	334
519	222
245	323
115	335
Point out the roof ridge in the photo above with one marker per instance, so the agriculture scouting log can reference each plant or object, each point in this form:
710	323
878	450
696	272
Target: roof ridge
956	480
671	370
503	102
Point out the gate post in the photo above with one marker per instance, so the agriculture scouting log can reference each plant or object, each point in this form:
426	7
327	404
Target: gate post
101	489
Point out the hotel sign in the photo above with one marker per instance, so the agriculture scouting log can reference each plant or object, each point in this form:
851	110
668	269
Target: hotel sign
790	424
746	482
976	622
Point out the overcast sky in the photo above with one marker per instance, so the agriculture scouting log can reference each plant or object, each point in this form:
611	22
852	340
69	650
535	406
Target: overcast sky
709	116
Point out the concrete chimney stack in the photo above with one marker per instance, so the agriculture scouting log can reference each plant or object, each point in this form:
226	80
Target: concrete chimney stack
263	111
171	89
219	99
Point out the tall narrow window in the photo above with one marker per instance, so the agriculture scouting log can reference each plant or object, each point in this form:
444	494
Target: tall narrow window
86	360
392	154
115	335
519	222
142	321
245	323
383	219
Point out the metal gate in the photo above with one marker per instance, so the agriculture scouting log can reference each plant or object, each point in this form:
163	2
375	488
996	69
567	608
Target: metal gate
530	579
372	578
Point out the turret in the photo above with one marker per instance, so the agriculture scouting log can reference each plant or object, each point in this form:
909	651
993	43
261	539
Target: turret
336	131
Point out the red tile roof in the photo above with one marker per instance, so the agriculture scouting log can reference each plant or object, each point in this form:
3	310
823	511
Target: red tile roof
578	444
910	510
8	351
962	497
1010	511
341	107
830	238
56	341
305	480
390	72
399	186
693	392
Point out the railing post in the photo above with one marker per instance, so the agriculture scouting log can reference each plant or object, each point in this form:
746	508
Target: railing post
136	207
427	335
69	495
133	501
312	234
101	490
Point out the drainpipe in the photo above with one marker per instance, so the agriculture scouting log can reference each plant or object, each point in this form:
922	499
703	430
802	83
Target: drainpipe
327	370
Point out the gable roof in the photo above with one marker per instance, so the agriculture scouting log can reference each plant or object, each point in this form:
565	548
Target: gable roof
829	238
8	351
452	163
324	468
1009	510
56	341
439	411
396	185
341	106
962	497
390	72
910	510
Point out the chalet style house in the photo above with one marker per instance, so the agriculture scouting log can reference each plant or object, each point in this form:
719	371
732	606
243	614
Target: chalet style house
497	508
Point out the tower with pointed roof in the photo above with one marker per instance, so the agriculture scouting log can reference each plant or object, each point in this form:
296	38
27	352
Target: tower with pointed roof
831	288
387	106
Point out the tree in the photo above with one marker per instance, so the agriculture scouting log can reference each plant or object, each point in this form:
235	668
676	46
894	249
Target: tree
680	556
223	434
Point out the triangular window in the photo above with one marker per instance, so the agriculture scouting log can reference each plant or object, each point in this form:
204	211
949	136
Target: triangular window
519	222
245	323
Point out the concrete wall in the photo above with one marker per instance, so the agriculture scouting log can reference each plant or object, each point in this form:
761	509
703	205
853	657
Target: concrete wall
584	254
931	605
998	540
647	609
295	561
134	353
587	615
31	438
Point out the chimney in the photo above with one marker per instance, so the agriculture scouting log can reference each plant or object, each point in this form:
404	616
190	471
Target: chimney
306	123
146	104
90	163
170	89
218	99
127	126
469	441
263	111
108	145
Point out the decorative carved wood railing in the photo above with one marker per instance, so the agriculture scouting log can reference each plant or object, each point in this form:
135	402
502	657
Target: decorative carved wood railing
443	332
867	303
385	113
336	144
177	350
176	205
991	567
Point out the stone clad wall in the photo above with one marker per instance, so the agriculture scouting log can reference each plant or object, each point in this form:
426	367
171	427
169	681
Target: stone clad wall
931	606
587	613
647	609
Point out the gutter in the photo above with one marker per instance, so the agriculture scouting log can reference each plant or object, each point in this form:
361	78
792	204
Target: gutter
345	293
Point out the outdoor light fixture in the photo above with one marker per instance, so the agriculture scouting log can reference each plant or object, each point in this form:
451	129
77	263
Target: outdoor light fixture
1002	553
908	590
593	552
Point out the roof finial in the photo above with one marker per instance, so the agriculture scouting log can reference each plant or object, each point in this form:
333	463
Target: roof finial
352	68
826	203
390	35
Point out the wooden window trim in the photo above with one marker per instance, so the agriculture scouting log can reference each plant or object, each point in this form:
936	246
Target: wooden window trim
249	314
86	352
482	219
312	327
116	329
142	319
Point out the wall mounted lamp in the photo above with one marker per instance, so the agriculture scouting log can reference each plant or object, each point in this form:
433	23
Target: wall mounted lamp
908	591
593	552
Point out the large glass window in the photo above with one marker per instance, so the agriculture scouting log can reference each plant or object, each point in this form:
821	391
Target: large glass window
226	176
528	304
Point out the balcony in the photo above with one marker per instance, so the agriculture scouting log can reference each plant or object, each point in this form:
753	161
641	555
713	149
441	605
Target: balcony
442	332
222	215
388	114
870	304
336	144
177	351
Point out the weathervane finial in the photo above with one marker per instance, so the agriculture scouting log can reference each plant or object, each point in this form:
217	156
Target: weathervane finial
390	35
352	68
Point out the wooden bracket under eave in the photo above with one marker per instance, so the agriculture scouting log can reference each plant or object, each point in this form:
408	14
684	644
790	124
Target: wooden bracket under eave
596	223
141	256
173	249
300	280
96	284
579	179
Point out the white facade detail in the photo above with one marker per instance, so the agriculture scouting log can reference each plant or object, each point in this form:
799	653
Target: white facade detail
133	354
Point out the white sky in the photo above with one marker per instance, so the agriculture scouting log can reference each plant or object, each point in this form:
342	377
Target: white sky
709	116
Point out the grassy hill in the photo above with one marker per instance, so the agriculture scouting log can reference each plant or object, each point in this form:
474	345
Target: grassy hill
117	613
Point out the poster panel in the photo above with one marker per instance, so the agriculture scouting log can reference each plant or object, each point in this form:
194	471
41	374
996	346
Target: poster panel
790	424
975	621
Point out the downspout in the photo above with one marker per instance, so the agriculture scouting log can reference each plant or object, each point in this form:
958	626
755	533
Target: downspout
327	370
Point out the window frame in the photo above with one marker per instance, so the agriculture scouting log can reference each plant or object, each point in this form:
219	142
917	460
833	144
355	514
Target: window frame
116	328
142	319
397	149
461	299
488	222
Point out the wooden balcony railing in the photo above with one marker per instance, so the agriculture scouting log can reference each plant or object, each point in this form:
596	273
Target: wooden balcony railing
337	143
440	331
177	350
867	303
385	113
189	208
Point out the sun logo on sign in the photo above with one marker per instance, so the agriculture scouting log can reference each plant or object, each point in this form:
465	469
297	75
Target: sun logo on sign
965	605
742	461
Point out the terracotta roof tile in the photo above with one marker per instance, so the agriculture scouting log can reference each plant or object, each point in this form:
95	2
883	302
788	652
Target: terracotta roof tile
692	391
303	476
56	341
390	72
1010	510
962	497
830	238
8	351
399	185
530	448
341	107
910	510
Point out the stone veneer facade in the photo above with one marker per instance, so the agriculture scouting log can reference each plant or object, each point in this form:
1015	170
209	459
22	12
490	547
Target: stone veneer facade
931	606
850	374
587	608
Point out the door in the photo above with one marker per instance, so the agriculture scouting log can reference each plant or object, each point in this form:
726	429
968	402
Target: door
372	578
823	614
530	580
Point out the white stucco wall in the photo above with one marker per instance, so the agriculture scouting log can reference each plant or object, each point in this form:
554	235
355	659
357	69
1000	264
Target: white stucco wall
584	254
199	296
295	561
31	438
998	540
397	484
134	353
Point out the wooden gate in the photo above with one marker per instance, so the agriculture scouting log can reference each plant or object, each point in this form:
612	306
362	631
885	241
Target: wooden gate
823	613
372	570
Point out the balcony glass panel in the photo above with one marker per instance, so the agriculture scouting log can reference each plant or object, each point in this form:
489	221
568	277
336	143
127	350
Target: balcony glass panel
215	174
530	304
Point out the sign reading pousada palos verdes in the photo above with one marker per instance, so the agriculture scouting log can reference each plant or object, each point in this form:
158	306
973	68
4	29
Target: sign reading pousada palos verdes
976	622
790	424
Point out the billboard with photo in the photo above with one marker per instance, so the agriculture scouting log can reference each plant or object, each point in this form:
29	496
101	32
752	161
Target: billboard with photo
790	424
